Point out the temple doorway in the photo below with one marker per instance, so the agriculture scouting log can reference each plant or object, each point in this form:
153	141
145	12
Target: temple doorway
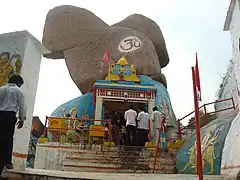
121	107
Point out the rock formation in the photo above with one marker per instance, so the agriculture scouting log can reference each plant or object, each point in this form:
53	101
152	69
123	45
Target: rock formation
81	38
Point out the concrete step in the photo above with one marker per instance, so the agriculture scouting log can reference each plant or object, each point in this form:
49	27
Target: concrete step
119	164
114	159
119	169
143	153
119	159
38	174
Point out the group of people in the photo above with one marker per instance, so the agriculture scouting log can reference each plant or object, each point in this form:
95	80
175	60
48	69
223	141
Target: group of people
136	125
12	112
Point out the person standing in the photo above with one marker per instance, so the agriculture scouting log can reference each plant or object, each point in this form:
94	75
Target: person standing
115	122
130	115
143	128
12	102
156	118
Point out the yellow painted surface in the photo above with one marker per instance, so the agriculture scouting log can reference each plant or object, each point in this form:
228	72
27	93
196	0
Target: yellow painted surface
96	131
119	69
42	140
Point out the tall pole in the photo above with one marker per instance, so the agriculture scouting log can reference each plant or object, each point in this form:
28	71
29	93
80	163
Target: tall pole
198	135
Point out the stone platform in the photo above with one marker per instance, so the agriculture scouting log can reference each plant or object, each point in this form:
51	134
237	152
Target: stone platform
36	174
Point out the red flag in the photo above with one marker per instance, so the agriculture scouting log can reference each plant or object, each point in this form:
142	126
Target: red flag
105	60
198	86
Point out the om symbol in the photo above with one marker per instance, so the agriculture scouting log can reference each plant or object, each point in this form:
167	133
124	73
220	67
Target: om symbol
130	43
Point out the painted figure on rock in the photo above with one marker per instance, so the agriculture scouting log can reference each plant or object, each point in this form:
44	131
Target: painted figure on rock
9	65
213	136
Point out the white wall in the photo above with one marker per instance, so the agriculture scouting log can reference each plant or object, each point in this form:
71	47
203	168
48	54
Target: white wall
228	90
235	36
30	73
13	43
28	48
231	157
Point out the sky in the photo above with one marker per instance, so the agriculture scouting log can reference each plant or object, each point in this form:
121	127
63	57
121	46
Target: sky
188	26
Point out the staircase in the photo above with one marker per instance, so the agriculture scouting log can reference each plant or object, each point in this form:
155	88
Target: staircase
119	160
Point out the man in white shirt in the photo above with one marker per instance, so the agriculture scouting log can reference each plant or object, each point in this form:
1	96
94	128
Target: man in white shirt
143	127
130	116
11	102
156	119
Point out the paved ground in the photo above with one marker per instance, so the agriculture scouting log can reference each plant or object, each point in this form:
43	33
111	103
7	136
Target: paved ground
105	176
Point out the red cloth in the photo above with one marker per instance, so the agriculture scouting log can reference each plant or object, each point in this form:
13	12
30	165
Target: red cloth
106	59
197	77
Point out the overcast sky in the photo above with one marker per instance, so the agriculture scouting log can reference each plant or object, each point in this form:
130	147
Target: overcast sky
188	26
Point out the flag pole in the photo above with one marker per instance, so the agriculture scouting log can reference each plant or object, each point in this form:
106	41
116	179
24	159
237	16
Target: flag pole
198	134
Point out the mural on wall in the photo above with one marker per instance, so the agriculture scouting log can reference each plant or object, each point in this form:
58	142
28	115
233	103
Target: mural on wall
213	137
81	108
36	132
9	65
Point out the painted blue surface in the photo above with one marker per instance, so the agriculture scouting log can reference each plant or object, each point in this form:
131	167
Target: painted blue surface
213	137
85	102
162	97
163	140
82	103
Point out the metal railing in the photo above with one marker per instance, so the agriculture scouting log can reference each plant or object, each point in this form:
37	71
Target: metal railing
63	123
205	113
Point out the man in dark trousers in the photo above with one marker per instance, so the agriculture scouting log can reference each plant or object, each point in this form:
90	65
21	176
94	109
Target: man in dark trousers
12	102
130	116
143	127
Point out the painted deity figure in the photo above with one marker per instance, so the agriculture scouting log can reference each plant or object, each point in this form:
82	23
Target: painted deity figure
72	135
5	68
76	126
208	151
9	66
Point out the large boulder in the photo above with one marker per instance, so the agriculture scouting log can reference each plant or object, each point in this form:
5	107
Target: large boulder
81	38
150	28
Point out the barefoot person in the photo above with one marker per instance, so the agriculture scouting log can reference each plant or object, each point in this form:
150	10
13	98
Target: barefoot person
11	102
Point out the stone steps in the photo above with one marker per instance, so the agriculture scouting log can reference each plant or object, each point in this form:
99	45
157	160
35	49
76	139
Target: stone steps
119	160
38	174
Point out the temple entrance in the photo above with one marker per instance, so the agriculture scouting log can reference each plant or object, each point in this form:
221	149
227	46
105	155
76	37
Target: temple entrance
121	107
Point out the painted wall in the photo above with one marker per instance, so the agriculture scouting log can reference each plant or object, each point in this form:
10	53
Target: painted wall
228	89
235	36
231	157
27	47
213	137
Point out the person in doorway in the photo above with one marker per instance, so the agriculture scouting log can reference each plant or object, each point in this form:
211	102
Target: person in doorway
130	116
12	101
156	119
115	121
143	128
